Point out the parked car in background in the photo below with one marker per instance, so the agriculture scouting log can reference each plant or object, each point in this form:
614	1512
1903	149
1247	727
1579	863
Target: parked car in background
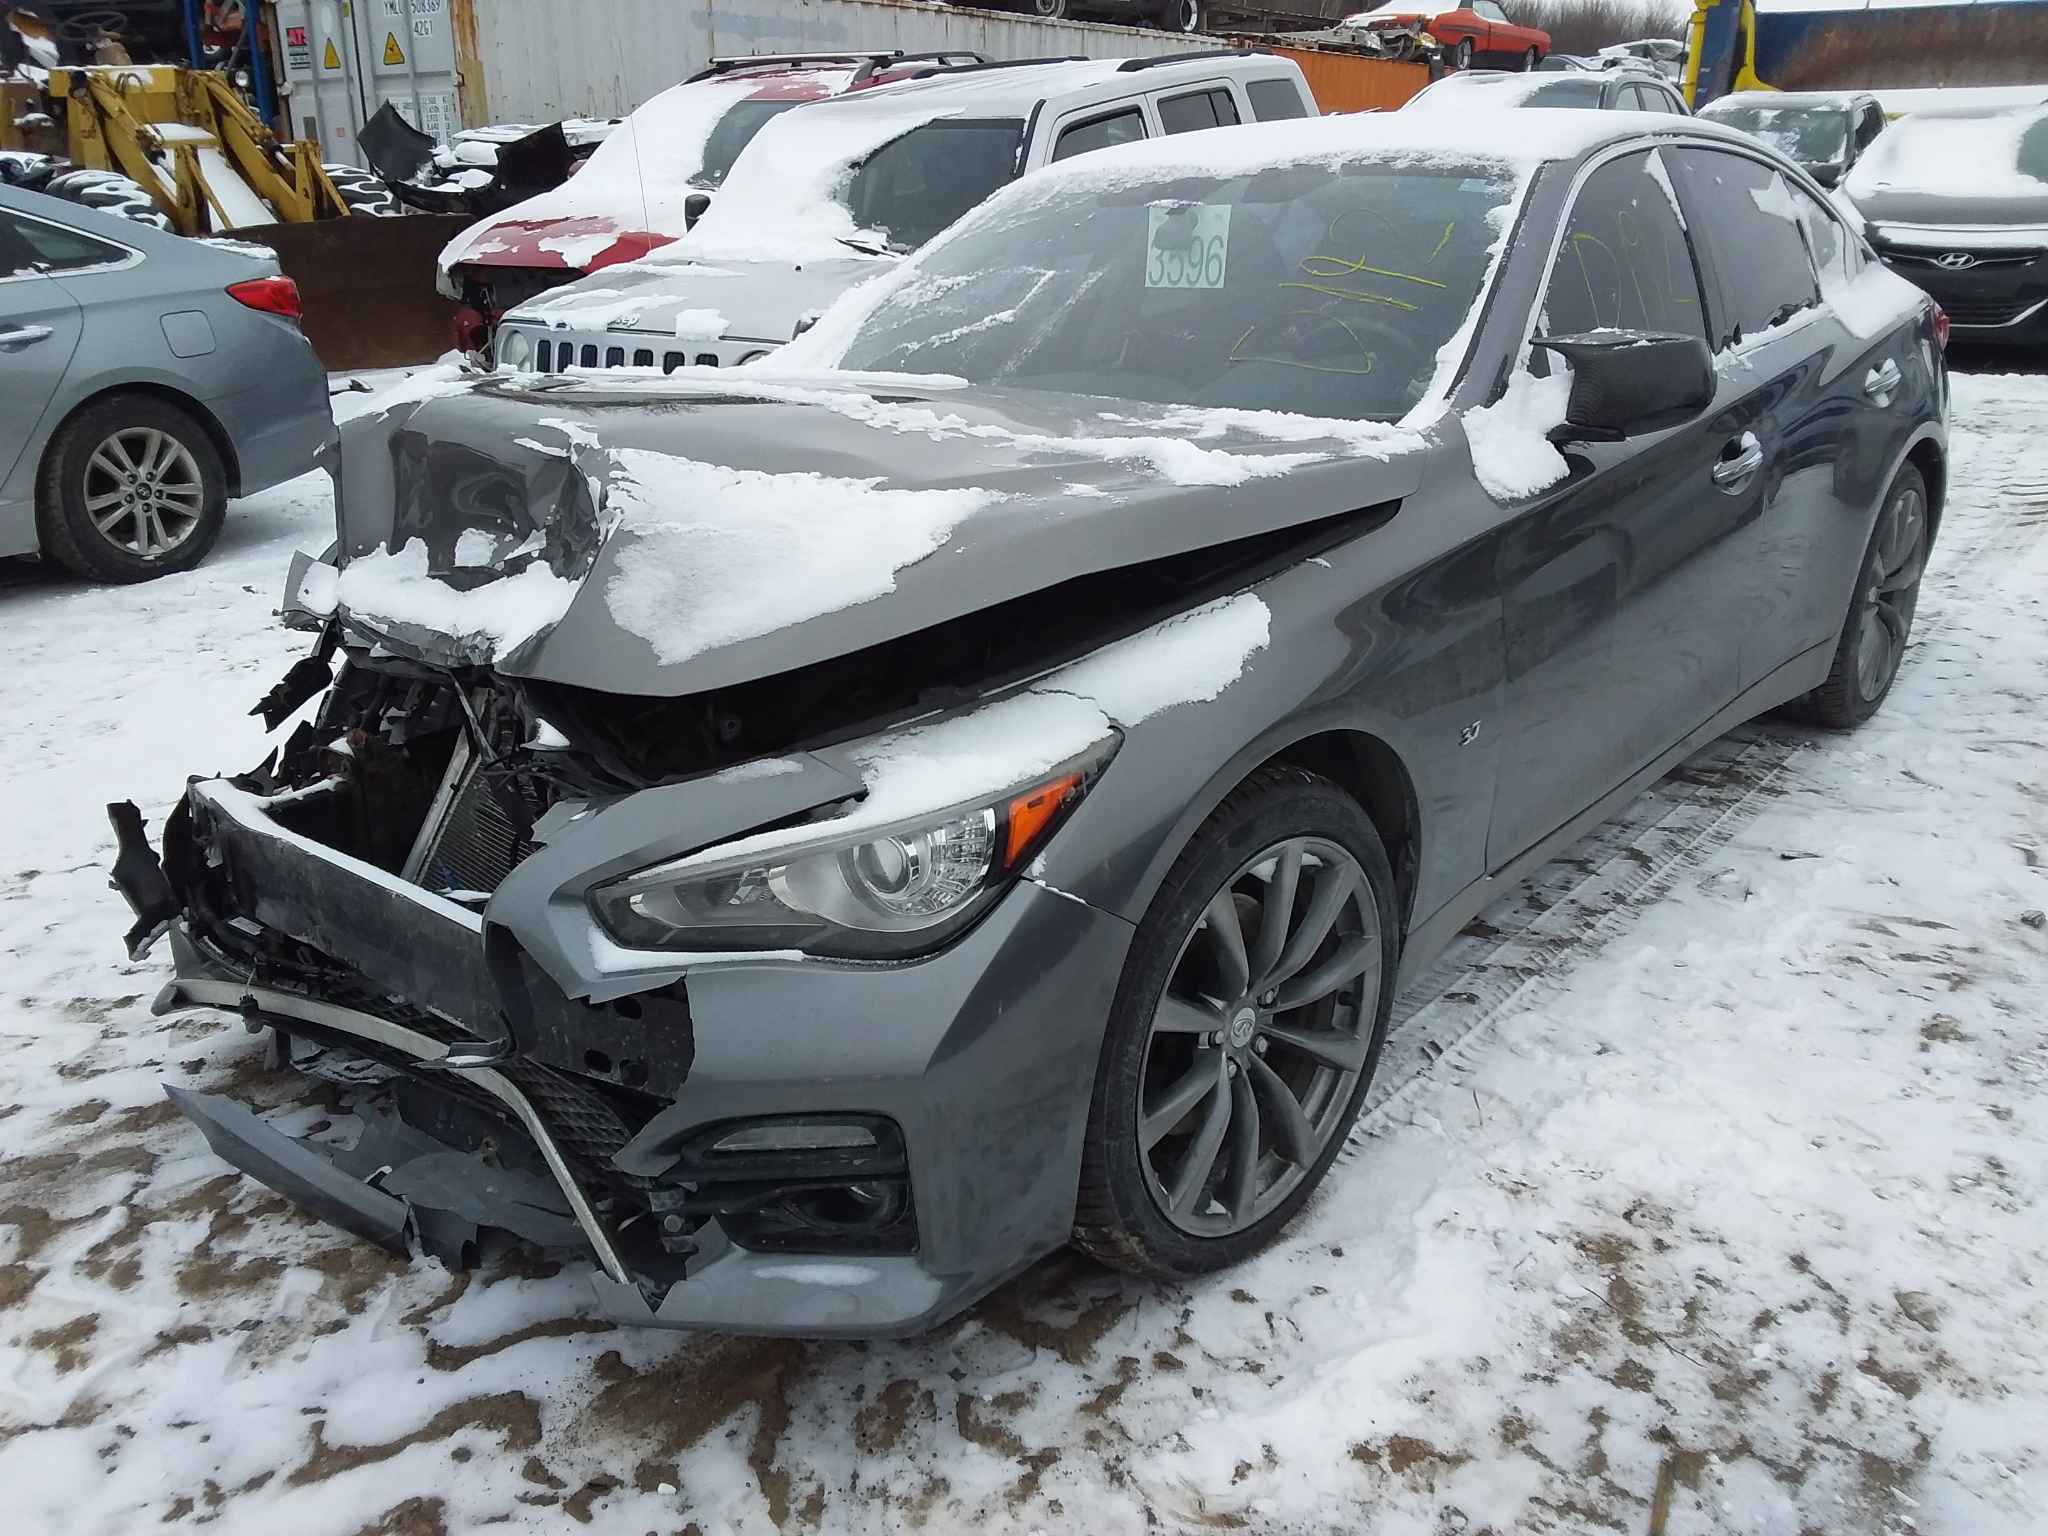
641	187
1956	202
1824	131
1614	90
144	380
1475	33
1568	64
834	194
1661	55
980	785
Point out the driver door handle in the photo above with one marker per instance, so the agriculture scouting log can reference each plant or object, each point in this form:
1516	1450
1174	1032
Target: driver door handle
1738	463
14	337
1881	381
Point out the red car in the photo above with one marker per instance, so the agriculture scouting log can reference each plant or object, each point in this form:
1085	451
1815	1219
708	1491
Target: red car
1475	33
647	181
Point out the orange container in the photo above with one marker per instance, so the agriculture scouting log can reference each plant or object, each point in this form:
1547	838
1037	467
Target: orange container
1351	82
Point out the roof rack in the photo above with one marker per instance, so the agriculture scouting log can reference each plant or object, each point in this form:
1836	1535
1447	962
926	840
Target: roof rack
941	58
733	62
1129	65
987	64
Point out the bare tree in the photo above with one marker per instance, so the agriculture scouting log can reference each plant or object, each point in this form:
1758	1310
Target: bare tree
1587	26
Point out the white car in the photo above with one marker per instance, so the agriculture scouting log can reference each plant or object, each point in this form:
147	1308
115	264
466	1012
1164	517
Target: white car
839	190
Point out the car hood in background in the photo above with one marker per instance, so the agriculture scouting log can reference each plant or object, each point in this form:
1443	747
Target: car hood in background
580	244
750	300
1915	205
662	537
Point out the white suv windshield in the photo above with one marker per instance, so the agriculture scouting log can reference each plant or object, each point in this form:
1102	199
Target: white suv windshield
1293	289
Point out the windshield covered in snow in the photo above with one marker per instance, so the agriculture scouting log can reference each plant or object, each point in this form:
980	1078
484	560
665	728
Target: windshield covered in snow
1809	135
2002	154
1296	287
734	132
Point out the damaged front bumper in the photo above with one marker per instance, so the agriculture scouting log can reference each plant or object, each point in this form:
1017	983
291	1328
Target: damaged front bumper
515	1070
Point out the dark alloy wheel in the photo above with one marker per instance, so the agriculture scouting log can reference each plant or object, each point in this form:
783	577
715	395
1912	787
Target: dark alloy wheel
1880	621
1245	1030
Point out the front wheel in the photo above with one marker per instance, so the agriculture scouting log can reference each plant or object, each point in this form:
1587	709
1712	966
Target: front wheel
131	488
1529	61
1461	56
1184	16
1244	1033
1873	640
1047	10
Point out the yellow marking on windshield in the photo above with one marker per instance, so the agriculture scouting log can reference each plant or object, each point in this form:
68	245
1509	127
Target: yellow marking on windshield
1337	266
1356	298
1448	229
1237	356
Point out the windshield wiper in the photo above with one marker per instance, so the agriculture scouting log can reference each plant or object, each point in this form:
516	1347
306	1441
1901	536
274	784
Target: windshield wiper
869	247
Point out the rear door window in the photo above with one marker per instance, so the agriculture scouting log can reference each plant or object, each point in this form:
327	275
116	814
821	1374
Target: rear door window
1274	100
1751	222
1624	262
56	249
1197	110
1123	127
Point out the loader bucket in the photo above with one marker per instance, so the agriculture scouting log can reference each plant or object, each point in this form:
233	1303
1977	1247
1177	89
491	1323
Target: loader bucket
367	285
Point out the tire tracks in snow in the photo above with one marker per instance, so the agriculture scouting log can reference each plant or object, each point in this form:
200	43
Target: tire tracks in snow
1527	945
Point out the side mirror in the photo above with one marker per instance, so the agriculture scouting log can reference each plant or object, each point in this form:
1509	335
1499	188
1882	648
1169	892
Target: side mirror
693	209
1629	382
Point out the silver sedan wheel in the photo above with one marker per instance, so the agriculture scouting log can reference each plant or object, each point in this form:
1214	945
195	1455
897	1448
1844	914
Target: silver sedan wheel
143	492
1259	1039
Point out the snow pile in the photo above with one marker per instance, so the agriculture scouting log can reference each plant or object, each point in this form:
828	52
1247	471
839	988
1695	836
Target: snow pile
638	178
1511	449
1962	156
1188	659
1873	301
385	589
710	556
447	377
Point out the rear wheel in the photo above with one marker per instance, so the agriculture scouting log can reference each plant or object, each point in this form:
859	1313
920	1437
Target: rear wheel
363	192
1047	10
1245	1031
1461	56
1184	16
1874	636
1529	61
131	488
110	193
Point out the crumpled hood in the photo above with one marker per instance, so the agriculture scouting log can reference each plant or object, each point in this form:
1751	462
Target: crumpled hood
754	300
663	537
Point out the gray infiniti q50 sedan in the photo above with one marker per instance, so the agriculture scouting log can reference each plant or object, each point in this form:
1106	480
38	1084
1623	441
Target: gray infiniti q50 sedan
818	841
144	380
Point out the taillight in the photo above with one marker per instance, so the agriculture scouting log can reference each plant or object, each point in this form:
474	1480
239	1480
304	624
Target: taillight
272	295
1941	327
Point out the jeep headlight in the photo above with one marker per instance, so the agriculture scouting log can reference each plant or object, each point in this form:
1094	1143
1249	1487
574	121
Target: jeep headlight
515	349
871	892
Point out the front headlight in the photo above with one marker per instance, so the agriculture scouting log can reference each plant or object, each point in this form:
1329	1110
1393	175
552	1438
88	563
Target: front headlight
876	892
515	349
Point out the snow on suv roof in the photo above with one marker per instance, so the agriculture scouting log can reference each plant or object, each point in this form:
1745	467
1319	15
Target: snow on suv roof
1842	101
1013	90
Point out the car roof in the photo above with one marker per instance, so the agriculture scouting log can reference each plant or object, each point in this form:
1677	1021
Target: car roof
1013	90
1820	100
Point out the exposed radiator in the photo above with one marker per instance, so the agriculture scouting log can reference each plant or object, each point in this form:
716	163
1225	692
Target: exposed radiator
469	842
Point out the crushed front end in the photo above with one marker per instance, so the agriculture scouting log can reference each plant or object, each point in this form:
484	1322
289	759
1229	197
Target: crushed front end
408	895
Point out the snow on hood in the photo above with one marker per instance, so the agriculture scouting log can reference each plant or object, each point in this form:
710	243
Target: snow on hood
1961	157
663	536
754	300
636	180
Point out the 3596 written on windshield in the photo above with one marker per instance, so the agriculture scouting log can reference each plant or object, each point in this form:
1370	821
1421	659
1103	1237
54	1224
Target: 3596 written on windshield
1187	246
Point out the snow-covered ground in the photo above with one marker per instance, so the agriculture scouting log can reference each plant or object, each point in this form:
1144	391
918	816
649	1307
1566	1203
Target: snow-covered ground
1702	1191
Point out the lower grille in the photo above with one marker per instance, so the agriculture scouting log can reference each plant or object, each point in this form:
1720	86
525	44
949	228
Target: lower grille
1986	312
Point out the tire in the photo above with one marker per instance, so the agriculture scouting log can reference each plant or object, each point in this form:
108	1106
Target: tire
1461	56
110	193
1880	621
1530	60
1158	1210
82	464
363	192
1046	10
1187	17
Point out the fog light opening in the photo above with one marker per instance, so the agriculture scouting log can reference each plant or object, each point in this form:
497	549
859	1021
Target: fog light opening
796	1136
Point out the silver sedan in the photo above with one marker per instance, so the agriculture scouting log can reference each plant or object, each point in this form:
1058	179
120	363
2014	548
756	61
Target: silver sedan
144	380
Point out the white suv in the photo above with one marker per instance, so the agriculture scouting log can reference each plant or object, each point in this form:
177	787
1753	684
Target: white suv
838	190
